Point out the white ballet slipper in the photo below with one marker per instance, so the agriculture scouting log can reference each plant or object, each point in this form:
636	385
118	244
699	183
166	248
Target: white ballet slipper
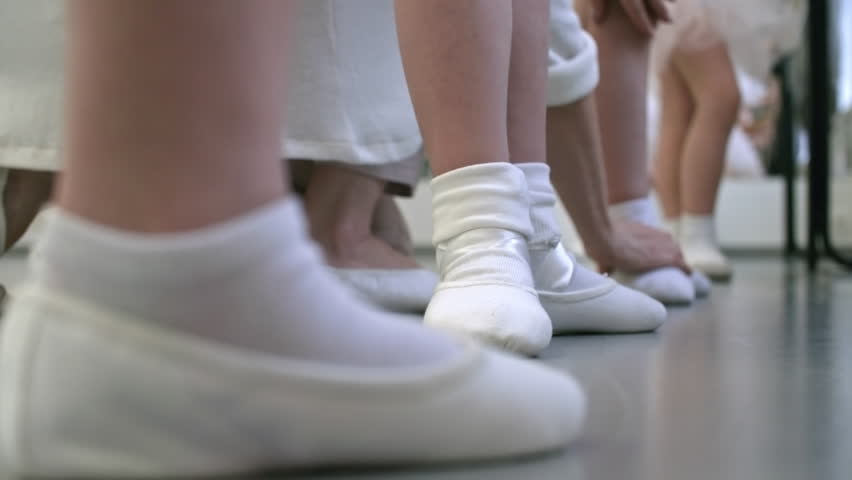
703	285
577	299
402	290
668	285
482	223
92	393
604	307
701	247
709	260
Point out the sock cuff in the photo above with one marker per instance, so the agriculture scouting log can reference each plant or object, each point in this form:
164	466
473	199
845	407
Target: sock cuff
537	175
546	231
491	195
214	250
639	210
672	225
698	227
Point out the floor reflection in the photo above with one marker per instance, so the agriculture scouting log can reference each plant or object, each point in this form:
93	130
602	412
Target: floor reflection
754	383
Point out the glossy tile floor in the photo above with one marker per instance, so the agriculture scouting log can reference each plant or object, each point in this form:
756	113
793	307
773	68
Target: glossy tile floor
754	383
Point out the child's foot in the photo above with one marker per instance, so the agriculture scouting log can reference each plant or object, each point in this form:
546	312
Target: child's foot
230	351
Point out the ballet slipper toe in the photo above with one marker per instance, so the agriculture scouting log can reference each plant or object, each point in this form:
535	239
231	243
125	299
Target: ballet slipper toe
709	261
504	316
668	285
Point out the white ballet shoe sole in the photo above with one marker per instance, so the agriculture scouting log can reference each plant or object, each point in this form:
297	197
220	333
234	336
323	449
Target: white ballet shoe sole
609	308
501	315
403	291
88	393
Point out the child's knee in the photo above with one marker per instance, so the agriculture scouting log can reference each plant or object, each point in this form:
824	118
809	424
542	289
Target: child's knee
721	99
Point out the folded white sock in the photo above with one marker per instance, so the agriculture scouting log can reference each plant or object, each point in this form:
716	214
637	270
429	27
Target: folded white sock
698	229
668	285
702	284
255	282
701	246
576	298
481	226
672	225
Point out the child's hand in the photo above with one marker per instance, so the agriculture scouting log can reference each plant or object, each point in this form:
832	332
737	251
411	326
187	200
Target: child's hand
644	14
636	248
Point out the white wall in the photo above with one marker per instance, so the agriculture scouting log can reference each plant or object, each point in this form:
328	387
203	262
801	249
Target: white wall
750	214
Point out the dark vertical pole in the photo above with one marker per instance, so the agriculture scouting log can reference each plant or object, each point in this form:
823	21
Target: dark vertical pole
784	156
819	131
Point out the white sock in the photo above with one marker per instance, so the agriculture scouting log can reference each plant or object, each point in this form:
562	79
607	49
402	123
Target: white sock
576	298
701	246
672	225
669	284
482	223
255	282
698	229
702	284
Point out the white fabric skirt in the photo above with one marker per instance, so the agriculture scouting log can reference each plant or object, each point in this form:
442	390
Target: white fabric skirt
348	100
31	34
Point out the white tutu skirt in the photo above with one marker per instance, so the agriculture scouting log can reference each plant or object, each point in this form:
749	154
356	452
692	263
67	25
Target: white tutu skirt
348	99
757	32
347	96
31	34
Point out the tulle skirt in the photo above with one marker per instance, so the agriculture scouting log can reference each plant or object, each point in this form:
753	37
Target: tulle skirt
757	32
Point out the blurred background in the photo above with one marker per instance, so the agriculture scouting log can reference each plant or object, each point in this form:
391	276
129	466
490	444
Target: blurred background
770	146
